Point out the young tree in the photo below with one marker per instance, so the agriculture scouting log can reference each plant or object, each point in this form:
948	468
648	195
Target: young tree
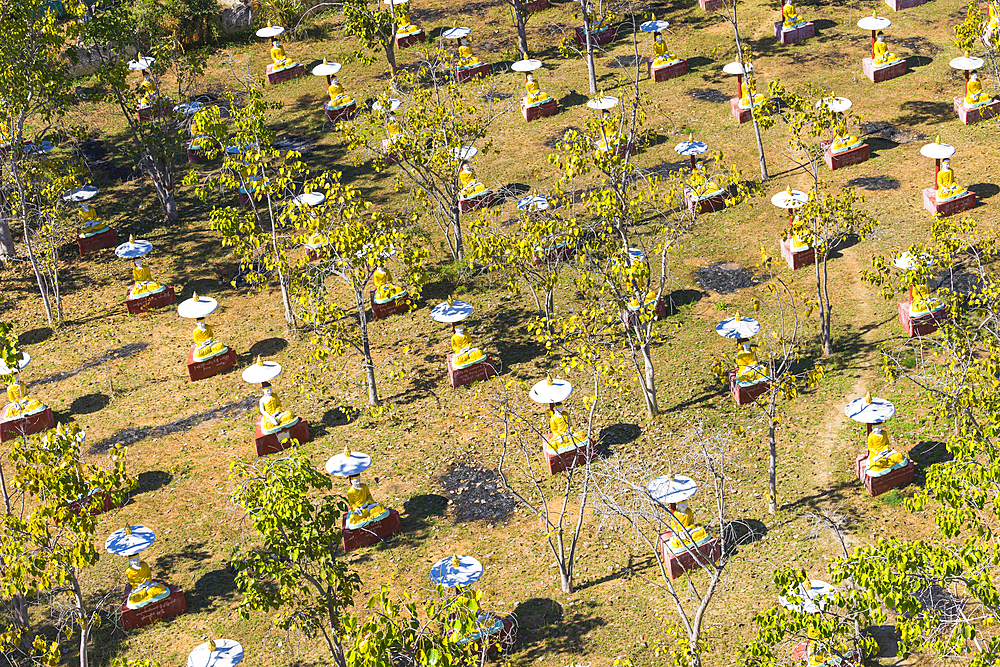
974	31
626	506
47	544
155	142
435	122
520	440
597	17
291	563
374	24
828	219
357	242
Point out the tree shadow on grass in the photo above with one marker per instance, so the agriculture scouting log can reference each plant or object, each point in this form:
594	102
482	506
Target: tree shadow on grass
476	494
922	111
572	99
616	435
123	352
87	404
265	348
421	510
546	628
151	480
984	190
743	531
34	336
210	588
924	454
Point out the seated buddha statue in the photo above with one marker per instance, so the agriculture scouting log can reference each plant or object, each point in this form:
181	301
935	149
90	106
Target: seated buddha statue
149	95
403	26
947	187
338	98
280	60
758	98
881	50
609	132
700	186
89	224
822	653
687	534
20	405
535	95
144	590
364	509
922	302
974	95
881	457
385	290
749	370
464	353
843	140
563	438
205	347
273	419
797	244
790	18
144	285
471	187
465	57
661	56
200	128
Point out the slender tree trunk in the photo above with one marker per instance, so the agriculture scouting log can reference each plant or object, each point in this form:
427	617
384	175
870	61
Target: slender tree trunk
772	500
285	301
827	314
522	35
456	231
42	288
7	249
649	382
591	72
84	619
565	579
753	115
3	489
550	303
366	348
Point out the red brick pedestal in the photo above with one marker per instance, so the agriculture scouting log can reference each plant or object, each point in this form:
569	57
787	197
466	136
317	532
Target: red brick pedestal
162	298
373	533
970	116
95	503
342	113
543	110
535	6
155	111
287	74
470	73
275	442
843	159
899	5
950	207
501	641
108	239
410	40
195	155
678	564
921	326
383	310
483	200
170	606
745	395
667	72
562	253
711	5
199	370
560	462
876	486
797	260
802	33
11	429
800	656
880	74
459	377
742	115
599	38
710	205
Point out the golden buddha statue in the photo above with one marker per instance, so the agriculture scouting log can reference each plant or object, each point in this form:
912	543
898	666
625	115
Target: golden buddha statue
279	60
204	345
403	26
535	95
843	140
143	283
974	95
563	438
364	509
819	653
661	56
609	132
149	95
338	98
687	534
700	186
758	98
881	457
20	405
274	418
797	244
465	57
882	57
471	187
89	224
144	589
947	187
922	302
385	290
465	354
392	127
791	18
749	370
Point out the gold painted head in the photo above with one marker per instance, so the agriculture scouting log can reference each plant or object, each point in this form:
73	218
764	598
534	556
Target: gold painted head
456	561
259	362
131	238
347	451
211	646
548	380
128	530
868	398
